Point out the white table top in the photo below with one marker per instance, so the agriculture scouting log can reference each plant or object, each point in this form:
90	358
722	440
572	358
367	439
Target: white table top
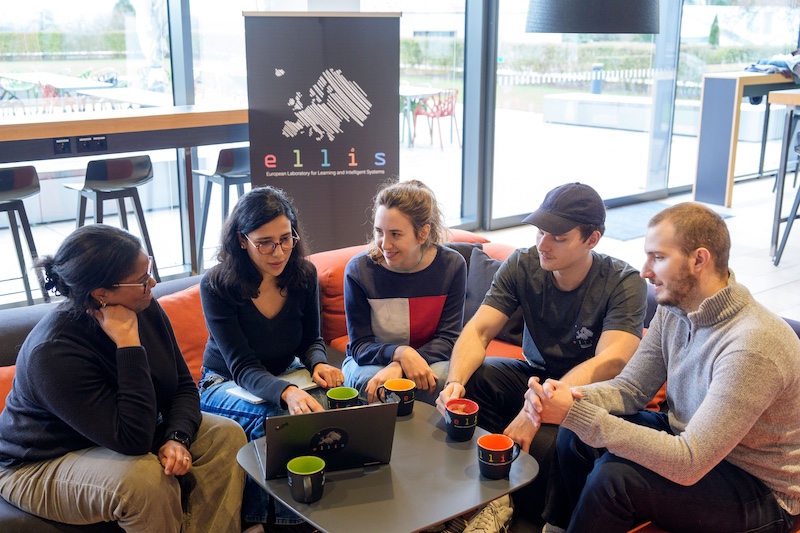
413	91
130	95
59	81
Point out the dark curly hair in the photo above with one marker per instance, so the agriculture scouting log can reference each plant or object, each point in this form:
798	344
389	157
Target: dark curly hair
235	277
91	257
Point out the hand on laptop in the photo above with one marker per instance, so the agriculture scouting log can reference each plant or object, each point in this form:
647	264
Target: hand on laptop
299	401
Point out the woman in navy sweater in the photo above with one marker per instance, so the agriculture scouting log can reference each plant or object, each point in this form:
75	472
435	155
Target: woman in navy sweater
261	304
103	423
403	296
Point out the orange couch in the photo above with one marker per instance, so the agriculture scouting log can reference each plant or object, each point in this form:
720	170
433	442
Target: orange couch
181	301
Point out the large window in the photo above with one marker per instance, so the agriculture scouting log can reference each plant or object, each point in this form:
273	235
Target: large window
432	94
726	37
568	108
64	57
83	57
619	112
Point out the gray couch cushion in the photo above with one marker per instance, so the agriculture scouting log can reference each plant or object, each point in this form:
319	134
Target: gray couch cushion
16	323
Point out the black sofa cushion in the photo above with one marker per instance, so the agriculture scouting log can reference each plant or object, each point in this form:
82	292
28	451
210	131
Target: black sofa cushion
13	520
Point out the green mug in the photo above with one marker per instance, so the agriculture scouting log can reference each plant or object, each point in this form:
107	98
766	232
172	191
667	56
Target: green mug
306	478
340	397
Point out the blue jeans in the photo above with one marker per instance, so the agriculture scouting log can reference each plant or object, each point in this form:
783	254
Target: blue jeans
611	494
256	504
358	376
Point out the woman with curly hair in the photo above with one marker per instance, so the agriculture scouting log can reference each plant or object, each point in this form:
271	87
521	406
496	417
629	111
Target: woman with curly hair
261	304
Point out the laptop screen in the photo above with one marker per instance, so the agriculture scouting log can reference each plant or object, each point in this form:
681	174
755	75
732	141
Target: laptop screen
352	437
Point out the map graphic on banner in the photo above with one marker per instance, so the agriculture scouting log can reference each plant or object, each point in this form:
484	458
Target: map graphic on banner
334	99
323	99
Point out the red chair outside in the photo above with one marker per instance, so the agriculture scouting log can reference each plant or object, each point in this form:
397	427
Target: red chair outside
436	107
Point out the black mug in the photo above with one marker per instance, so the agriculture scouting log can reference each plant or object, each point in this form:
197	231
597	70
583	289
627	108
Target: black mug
401	391
306	478
496	452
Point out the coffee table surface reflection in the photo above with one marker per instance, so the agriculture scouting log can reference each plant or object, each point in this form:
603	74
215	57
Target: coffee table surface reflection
430	479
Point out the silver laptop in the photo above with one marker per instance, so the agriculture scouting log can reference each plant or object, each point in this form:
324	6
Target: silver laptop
352	437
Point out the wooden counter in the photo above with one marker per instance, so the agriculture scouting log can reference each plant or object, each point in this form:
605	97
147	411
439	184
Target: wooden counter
41	126
31	137
37	137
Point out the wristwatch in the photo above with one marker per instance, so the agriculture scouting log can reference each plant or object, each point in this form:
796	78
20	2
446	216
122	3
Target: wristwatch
180	436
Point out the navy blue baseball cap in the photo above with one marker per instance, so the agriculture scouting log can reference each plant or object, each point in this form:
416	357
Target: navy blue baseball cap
567	206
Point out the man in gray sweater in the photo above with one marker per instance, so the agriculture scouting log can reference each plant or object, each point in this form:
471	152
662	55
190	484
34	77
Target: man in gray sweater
726	456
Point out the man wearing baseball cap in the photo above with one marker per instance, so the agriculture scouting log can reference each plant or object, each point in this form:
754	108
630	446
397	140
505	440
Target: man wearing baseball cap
583	313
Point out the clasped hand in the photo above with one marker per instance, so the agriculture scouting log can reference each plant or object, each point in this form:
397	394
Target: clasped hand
175	458
549	402
416	368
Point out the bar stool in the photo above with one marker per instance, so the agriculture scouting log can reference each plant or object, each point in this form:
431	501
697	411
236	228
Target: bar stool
116	179
233	168
15	184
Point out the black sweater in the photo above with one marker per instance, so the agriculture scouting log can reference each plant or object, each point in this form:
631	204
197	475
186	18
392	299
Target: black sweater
251	349
74	389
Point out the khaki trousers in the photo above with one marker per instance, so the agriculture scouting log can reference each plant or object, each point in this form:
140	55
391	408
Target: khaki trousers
98	485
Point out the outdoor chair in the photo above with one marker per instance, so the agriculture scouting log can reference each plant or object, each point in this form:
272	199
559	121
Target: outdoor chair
436	107
52	98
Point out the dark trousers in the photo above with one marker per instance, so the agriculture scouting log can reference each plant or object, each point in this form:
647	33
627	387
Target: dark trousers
609	494
498	387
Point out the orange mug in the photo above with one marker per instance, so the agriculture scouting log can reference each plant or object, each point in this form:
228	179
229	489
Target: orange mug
496	452
401	391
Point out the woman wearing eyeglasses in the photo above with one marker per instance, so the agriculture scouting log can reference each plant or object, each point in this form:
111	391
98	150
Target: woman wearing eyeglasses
261	303
103	423
403	296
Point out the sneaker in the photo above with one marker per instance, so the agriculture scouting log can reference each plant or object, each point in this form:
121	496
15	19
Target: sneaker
494	518
550	528
454	525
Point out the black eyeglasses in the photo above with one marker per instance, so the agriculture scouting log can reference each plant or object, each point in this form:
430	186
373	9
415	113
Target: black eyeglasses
144	284
269	247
